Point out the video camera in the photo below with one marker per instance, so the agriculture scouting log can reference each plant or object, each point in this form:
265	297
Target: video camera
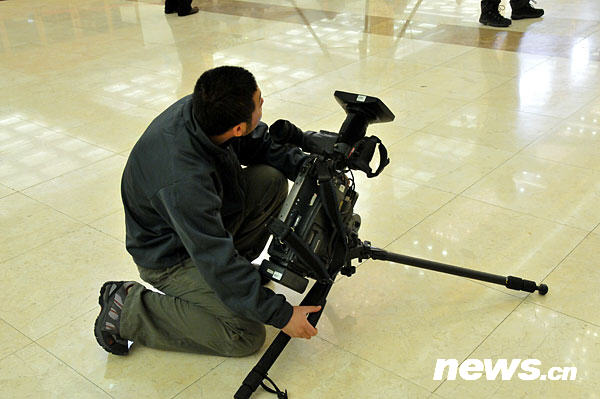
316	226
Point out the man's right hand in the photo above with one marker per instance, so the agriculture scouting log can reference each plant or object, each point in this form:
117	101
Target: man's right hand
298	326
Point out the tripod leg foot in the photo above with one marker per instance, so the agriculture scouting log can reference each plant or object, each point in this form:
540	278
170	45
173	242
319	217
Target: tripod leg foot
519	284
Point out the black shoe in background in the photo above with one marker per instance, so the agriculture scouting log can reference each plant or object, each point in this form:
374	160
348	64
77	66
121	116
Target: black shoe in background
490	14
522	10
191	11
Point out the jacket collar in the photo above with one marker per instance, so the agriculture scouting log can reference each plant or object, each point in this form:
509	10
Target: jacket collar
198	136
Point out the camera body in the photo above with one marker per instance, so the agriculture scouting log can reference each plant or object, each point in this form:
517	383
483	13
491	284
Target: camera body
316	226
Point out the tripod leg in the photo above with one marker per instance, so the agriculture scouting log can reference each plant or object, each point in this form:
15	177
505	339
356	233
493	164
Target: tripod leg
316	296
511	282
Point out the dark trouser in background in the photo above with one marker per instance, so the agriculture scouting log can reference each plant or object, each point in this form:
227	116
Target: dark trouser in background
190	317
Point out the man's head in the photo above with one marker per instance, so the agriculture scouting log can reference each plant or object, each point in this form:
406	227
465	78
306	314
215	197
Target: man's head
226	99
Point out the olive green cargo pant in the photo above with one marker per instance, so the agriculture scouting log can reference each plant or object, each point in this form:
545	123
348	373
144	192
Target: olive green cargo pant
189	317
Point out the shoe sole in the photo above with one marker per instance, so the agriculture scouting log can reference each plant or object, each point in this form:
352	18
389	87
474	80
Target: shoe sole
517	18
98	323
494	25
193	11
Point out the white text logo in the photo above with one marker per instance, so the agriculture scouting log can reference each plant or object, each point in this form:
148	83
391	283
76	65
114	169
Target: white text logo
474	369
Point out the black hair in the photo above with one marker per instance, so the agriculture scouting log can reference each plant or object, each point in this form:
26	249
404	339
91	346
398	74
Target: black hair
223	98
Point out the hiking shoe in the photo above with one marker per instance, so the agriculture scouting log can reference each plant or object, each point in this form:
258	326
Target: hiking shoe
107	325
522	10
490	14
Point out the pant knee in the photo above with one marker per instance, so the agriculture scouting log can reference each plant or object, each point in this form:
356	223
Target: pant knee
247	340
266	179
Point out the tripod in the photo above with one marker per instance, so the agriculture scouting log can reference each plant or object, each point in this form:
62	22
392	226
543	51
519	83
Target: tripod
318	293
316	233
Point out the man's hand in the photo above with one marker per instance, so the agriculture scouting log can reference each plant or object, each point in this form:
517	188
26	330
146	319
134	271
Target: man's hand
298	326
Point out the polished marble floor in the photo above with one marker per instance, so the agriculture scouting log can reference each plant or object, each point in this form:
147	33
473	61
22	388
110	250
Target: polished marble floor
495	154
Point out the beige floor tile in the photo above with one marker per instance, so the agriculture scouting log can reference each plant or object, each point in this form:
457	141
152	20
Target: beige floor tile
107	79
151	58
574	283
402	319
147	89
316	92
417	110
542	188
309	369
299	114
571	144
442	163
493	127
534	332
476	235
453	83
85	194
577	72
588	115
26	224
505	63
302	53
424	52
379	72
212	23
537	93
53	284
342	36
9	78
32	154
11	340
40	59
143	372
389	207
34	373
82	109
113	225
116	134
35	91
4	191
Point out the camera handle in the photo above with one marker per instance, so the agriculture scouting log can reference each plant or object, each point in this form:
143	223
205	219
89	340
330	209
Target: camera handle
362	153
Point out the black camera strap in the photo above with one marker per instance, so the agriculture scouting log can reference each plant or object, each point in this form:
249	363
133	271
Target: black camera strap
363	153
